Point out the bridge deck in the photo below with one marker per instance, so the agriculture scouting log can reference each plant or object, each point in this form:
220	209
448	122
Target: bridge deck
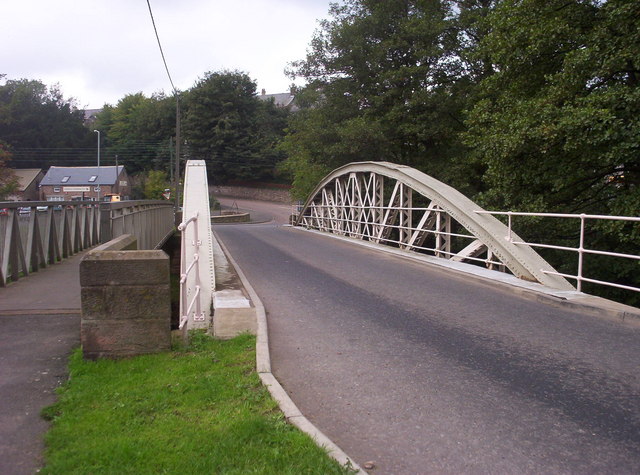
422	371
39	325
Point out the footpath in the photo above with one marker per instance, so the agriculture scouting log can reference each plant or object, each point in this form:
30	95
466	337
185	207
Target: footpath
39	326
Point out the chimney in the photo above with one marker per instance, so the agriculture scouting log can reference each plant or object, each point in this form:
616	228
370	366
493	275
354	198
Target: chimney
264	92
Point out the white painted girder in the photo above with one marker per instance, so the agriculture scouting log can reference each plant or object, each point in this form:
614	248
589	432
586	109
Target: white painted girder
196	202
521	260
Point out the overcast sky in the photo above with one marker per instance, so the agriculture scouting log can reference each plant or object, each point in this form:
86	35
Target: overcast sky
100	50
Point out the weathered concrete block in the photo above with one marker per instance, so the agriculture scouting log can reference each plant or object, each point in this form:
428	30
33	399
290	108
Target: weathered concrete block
126	242
121	338
124	268
126	303
117	302
230	322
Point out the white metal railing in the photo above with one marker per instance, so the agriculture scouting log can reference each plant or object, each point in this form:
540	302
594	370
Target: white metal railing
581	250
185	270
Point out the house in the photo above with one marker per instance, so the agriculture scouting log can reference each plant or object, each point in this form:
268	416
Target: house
28	182
90	116
284	100
85	183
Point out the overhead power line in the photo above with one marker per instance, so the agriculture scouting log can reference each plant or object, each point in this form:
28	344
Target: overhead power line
160	46
175	92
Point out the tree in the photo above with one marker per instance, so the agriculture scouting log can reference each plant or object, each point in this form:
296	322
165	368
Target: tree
155	184
557	125
8	180
229	127
138	130
35	119
389	81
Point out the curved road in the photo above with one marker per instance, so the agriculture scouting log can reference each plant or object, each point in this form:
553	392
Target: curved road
420	371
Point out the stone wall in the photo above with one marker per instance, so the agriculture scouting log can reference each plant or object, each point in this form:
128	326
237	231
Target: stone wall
126	304
251	193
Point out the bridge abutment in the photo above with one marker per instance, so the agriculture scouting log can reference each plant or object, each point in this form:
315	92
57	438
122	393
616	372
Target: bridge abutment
126	308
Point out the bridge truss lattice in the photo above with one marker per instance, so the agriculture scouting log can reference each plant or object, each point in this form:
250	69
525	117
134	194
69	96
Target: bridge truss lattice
402	207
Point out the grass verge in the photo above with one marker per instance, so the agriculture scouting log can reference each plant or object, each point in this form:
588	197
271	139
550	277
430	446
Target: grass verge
195	410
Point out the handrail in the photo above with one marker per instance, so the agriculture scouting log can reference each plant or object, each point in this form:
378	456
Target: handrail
185	270
35	234
581	249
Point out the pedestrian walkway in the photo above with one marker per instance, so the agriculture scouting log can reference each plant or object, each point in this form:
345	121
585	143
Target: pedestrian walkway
39	326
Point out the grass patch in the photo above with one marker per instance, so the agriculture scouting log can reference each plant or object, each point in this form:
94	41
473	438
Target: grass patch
195	410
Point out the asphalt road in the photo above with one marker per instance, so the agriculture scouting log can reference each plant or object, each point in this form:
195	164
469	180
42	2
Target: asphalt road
423	372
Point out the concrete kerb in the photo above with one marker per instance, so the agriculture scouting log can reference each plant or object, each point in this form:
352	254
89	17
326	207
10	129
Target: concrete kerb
577	301
263	365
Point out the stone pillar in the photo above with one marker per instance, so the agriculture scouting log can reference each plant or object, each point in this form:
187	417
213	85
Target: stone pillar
126	304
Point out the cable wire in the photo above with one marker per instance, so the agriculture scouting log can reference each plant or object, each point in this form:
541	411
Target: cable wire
160	46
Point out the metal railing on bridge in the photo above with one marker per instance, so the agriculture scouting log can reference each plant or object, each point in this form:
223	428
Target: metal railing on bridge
580	249
402	207
36	234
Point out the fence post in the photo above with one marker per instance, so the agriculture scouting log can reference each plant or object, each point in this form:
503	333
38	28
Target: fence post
105	222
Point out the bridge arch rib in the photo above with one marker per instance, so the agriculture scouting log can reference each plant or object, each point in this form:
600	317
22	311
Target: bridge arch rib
400	206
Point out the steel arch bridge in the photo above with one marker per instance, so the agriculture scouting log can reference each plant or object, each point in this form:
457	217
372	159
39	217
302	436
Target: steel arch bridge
397	205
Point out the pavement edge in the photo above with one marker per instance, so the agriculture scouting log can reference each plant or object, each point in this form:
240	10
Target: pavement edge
263	365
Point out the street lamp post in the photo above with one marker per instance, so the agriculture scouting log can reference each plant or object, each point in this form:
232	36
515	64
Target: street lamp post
98	178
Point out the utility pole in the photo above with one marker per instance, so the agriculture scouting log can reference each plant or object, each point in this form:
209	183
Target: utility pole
171	160
177	164
98	178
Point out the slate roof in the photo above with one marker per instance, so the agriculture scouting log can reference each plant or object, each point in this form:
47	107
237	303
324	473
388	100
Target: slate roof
283	99
80	175
25	176
90	114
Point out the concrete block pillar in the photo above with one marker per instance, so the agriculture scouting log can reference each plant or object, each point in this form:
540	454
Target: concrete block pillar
126	304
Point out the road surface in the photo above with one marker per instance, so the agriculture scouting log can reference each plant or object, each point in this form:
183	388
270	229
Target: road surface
420	371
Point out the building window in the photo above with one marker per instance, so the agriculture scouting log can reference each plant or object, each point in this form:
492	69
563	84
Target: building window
65	179
93	178
56	189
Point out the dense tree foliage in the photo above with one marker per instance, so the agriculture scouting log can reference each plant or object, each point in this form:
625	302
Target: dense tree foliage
388	81
39	124
528	104
223	122
138	131
8	181
154	185
557	124
229	127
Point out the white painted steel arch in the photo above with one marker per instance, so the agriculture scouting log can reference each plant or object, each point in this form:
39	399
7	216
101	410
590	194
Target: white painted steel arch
350	201
197	246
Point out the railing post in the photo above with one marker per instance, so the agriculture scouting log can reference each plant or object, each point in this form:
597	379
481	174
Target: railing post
106	233
580	254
